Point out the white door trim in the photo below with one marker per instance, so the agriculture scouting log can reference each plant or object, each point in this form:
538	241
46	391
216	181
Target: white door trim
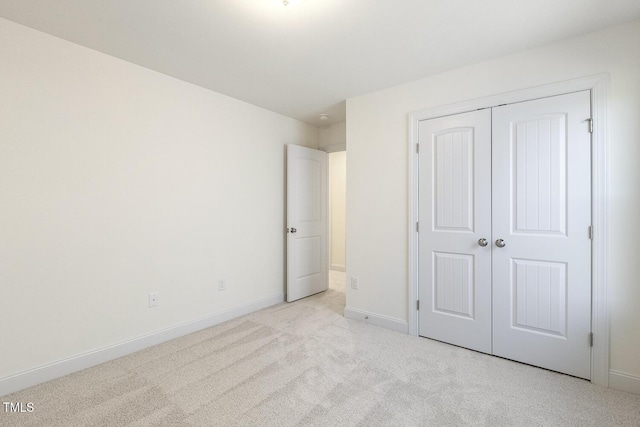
598	85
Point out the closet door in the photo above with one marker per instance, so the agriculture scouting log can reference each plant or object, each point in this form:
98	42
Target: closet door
455	225
541	233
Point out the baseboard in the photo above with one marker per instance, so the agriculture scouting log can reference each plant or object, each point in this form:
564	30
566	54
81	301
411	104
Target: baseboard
377	320
624	382
77	363
338	267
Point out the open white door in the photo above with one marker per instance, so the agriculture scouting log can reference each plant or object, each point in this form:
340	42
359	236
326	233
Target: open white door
307	266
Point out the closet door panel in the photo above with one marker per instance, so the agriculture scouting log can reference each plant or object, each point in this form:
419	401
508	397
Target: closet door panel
454	213
540	222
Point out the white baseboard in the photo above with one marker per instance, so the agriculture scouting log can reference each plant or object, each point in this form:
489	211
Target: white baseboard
624	382
338	267
383	321
79	362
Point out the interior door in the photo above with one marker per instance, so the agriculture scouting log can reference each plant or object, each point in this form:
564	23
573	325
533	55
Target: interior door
518	179
307	265
541	233
455	229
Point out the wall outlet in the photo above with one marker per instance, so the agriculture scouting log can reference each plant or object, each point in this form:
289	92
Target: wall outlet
355	282
153	299
222	284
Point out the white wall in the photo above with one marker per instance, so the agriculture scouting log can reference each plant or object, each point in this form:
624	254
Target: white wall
117	181
377	180
333	138
337	194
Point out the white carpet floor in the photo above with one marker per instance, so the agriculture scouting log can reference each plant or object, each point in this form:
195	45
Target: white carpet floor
304	364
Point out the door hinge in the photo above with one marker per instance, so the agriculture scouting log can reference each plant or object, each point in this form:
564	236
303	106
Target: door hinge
418	305
590	339
418	148
591	232
417	227
590	125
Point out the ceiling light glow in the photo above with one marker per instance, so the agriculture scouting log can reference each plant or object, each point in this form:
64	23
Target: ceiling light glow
288	3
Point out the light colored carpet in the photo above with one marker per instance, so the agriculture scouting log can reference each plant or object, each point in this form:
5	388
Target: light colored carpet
304	364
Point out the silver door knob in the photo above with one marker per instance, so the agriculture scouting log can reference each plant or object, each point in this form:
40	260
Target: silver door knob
292	230
482	242
500	243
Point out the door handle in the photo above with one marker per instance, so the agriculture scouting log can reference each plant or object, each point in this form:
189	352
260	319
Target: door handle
482	242
500	243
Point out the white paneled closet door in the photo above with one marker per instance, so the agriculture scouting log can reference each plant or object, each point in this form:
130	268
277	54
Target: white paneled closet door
517	179
542	212
455	217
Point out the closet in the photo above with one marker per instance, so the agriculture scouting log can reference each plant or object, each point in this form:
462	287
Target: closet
504	242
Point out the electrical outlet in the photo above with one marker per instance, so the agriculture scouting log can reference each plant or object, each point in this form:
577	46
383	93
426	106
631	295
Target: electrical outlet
153	299
222	284
355	282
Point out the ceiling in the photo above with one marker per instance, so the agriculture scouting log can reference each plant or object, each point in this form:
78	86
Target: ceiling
307	58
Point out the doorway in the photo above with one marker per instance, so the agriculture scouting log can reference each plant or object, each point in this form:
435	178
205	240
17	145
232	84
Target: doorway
337	220
316	198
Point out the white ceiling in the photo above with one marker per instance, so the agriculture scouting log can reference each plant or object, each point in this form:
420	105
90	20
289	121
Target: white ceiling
307	58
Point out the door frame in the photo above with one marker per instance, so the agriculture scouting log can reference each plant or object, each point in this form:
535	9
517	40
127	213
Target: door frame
598	85
330	225
329	149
